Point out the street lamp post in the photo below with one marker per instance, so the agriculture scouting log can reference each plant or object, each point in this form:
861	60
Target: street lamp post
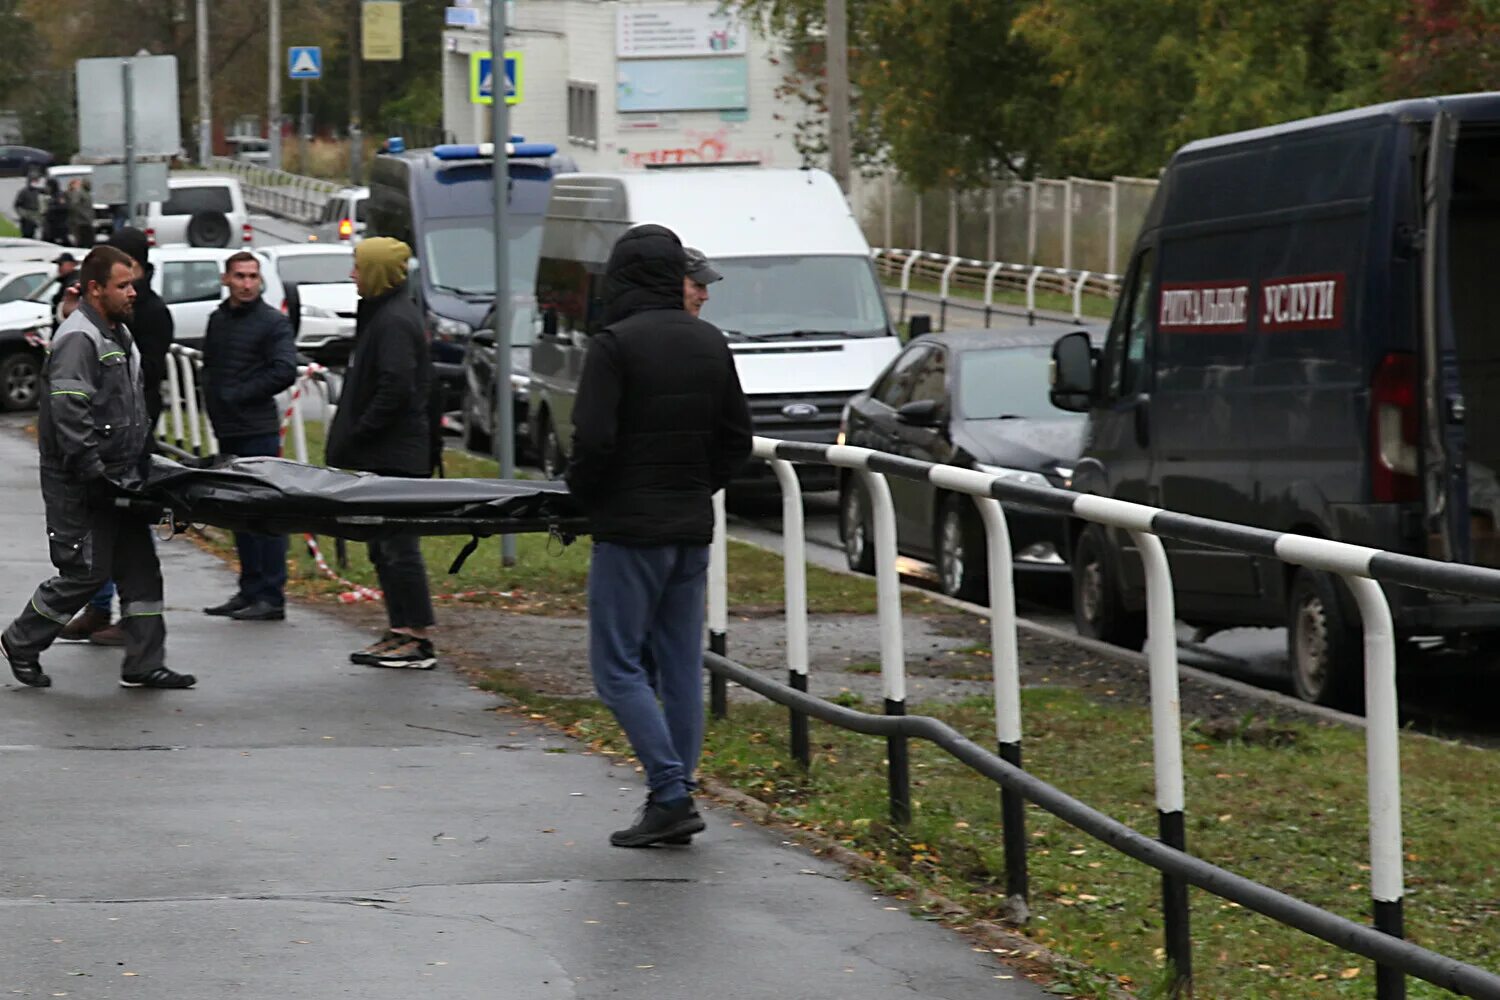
504	416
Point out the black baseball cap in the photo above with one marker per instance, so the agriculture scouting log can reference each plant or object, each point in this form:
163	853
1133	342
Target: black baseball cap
65	258
698	267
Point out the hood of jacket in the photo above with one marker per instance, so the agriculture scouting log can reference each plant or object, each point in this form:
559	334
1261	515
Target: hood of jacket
645	271
381	263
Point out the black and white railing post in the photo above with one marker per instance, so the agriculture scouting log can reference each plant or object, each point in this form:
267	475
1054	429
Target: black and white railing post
1166	737
718	607
911	262
892	644
795	567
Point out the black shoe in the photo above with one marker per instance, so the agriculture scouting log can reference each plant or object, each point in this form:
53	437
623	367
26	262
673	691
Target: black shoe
27	670
661	822
386	643
260	611
410	654
161	677
229	607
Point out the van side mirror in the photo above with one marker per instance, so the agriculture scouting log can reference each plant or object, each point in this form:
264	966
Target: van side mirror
1074	366
920	413
919	325
549	323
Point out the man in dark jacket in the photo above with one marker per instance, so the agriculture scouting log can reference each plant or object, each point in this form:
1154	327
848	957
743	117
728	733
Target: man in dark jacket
249	355
659	426
91	429
384	425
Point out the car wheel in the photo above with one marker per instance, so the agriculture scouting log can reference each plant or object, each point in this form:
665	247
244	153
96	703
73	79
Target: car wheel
208	229
554	462
1098	607
1324	649
474	438
20	381
961	555
856	527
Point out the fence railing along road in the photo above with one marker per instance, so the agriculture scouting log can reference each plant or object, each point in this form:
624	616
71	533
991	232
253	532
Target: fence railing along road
1362	569
985	278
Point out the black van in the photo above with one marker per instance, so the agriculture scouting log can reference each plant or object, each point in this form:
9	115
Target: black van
1301	344
441	203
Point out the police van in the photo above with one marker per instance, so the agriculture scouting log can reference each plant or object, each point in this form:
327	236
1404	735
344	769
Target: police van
799	300
1302	343
441	203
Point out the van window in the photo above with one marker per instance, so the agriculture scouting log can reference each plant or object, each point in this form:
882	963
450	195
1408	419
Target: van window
190	281
563	286
192	200
1125	350
765	297
459	254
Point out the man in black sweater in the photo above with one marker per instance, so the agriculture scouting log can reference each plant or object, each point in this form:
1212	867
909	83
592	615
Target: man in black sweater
386	423
659	426
249	355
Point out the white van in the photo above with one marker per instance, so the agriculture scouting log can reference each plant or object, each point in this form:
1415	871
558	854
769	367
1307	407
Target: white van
800	301
202	210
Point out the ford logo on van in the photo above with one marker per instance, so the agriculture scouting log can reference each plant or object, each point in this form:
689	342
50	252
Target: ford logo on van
799	411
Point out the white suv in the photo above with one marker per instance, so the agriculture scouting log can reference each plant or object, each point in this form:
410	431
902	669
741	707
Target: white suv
203	210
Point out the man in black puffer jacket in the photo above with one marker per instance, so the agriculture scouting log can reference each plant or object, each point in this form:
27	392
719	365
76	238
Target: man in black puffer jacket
385	424
659	426
249	355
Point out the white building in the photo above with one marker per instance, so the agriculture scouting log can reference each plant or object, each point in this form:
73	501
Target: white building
623	84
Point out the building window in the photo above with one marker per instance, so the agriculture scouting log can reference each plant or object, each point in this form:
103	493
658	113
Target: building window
583	114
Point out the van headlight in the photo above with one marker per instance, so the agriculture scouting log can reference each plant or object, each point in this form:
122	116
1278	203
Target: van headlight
444	328
1013	475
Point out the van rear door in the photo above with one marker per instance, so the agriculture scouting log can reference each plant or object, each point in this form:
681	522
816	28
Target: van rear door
1445	490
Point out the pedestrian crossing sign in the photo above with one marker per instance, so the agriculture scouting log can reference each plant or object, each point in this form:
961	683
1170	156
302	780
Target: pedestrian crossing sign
482	78
305	62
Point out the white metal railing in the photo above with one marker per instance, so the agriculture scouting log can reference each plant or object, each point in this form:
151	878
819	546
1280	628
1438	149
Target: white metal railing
1359	567
985	278
278	192
183	426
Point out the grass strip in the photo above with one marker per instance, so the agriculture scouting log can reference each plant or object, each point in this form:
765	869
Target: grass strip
1283	803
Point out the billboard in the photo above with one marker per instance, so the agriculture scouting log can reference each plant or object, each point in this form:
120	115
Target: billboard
653	31
682	85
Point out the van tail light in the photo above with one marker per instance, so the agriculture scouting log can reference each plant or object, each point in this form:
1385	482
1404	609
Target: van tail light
284	308
150	236
1394	450
246	233
346	228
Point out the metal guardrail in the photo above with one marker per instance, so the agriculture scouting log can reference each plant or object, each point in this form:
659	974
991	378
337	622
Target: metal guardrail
277	192
1359	567
986	277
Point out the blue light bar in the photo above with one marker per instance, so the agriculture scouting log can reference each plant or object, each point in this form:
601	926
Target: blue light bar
486	150
395	144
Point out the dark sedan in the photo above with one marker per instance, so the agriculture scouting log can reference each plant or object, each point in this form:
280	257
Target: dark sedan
975	399
23	160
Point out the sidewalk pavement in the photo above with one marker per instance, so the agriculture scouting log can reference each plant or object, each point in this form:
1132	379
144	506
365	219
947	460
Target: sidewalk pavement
297	827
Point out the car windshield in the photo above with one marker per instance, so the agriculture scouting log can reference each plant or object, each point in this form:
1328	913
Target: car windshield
767	297
316	268
1002	383
458	255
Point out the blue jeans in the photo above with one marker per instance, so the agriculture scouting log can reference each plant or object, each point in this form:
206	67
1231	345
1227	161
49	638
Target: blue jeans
103	600
646	654
262	557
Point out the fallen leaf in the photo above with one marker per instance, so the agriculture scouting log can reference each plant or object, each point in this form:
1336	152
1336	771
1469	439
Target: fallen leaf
1349	973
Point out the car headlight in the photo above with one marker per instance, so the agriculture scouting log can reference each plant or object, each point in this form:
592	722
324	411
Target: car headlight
321	312
1013	475
448	329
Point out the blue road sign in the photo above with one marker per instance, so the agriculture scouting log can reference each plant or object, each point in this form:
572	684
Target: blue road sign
482	78
305	62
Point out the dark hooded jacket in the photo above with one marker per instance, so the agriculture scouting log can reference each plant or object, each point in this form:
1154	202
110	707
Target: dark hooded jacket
660	423
152	321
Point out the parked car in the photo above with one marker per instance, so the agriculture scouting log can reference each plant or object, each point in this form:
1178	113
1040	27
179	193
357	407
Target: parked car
343	217
15	249
190	282
23	279
1303	343
479	389
203	210
976	399
25	329
317	294
23	159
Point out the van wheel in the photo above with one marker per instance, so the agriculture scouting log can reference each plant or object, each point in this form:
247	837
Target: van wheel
961	554
208	229
20	381
856	527
1099	610
1324	649
554	462
474	438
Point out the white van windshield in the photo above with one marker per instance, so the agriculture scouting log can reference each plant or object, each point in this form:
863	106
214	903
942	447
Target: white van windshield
459	254
768	297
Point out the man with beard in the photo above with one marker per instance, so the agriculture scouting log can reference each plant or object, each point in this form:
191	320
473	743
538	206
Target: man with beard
92	430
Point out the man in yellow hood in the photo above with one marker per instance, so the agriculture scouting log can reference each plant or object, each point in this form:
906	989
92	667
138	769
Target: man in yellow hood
387	423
